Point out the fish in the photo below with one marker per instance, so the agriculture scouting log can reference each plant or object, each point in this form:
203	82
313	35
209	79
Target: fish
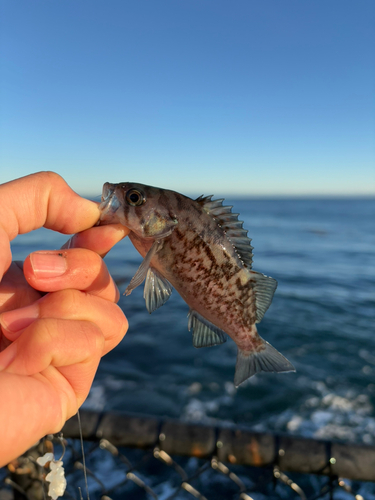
200	248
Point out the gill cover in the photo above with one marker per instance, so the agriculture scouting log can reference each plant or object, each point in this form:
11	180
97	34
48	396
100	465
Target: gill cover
153	219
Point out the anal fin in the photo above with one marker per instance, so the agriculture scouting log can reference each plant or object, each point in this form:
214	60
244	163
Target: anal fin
266	360
205	334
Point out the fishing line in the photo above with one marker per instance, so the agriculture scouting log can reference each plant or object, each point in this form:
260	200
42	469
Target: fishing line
61	439
83	456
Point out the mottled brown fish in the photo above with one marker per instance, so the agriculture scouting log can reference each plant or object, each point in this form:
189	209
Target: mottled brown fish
201	249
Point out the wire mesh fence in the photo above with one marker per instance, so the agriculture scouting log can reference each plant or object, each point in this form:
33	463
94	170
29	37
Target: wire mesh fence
142	458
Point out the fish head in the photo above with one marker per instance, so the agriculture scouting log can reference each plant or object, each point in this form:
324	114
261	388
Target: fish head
143	209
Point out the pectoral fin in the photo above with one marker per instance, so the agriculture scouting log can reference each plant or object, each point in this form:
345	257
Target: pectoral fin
205	334
140	275
157	290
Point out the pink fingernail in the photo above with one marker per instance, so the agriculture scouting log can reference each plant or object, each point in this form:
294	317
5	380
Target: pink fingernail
48	265
7	356
18	319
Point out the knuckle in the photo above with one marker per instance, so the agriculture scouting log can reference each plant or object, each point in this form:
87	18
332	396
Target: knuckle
93	336
39	343
120	323
62	303
49	175
124	326
47	178
116	293
70	300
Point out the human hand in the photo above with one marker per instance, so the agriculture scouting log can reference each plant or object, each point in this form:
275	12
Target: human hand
56	340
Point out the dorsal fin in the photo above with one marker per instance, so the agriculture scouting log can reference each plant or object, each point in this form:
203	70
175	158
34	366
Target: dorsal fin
231	225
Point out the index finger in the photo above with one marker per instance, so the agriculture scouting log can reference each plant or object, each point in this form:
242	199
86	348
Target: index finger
37	200
99	239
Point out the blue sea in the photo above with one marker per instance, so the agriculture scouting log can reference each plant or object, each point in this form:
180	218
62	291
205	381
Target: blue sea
322	318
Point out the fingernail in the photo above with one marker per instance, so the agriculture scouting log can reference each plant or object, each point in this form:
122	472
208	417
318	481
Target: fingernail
48	265
7	356
18	319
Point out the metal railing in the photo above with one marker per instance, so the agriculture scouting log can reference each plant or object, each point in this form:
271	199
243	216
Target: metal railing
138	457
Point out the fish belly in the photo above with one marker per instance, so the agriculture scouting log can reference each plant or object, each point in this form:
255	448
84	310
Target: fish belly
213	282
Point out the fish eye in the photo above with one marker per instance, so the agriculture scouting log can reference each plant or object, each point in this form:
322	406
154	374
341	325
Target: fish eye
135	198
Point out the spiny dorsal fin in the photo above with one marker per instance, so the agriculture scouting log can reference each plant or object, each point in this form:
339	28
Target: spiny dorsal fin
231	225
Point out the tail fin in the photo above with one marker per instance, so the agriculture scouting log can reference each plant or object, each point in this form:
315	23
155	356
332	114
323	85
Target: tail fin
266	360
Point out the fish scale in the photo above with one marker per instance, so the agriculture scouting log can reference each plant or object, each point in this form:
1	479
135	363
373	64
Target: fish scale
200	248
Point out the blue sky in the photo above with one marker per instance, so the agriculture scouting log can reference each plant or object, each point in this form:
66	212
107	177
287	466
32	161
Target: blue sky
201	96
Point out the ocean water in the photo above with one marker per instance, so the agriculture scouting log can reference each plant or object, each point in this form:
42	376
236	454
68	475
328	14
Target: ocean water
322	253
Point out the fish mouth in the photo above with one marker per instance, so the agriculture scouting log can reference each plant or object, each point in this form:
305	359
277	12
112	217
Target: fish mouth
109	205
108	190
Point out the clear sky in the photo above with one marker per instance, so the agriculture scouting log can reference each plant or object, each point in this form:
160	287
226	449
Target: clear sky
246	97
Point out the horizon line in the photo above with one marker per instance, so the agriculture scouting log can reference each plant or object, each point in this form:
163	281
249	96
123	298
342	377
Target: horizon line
368	196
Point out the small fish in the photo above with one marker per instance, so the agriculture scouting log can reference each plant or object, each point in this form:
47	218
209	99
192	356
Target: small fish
201	249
